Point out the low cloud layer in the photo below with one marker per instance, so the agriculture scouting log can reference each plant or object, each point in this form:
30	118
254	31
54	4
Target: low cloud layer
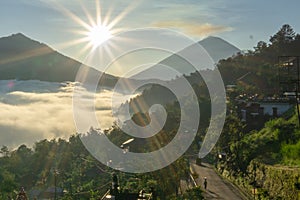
35	110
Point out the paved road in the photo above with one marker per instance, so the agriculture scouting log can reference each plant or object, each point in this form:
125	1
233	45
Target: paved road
217	188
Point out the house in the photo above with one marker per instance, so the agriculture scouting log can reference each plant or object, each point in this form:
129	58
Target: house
254	109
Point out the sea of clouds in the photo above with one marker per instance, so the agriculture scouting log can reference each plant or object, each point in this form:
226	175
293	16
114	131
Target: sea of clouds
35	110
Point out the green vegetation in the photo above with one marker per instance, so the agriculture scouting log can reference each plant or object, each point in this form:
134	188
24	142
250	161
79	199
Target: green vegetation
264	156
34	169
291	154
194	193
276	143
256	70
267	159
79	174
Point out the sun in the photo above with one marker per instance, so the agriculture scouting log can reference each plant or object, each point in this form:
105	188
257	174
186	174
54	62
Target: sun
93	30
98	34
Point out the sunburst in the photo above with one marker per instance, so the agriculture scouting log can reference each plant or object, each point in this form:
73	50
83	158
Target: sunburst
98	34
97	29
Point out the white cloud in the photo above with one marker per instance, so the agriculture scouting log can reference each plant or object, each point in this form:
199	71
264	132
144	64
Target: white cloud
194	29
34	110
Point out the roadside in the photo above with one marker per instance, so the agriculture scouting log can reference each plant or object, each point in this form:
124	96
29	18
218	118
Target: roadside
217	188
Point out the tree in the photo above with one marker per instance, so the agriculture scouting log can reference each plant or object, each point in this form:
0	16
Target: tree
284	36
7	183
261	47
4	151
232	132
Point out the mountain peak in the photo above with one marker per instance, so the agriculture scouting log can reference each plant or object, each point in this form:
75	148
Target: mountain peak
23	58
218	48
17	36
214	39
19	43
21	35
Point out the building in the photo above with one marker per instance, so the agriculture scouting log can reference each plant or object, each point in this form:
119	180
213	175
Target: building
253	109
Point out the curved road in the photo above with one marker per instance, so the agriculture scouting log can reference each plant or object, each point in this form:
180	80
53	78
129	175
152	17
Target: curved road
217	188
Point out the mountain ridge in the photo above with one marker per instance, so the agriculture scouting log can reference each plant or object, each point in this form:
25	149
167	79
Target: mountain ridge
215	47
26	59
23	58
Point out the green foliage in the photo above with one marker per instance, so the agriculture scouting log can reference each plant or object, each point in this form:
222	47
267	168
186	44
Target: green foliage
34	168
80	175
291	153
277	144
7	183
274	144
283	37
253	72
168	178
274	182
193	193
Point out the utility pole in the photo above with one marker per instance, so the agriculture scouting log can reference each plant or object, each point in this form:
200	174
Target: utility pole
55	183
289	76
254	182
54	186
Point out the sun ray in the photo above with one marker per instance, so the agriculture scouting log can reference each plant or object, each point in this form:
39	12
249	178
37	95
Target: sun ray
125	12
74	17
80	32
88	15
107	17
98	12
71	43
93	28
28	54
85	49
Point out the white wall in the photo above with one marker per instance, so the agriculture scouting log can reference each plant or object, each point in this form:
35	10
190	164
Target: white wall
281	108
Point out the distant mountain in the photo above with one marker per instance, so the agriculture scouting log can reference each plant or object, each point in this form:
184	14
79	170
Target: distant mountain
25	59
22	58
216	48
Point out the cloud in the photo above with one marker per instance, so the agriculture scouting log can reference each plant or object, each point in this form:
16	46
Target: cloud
35	110
194	29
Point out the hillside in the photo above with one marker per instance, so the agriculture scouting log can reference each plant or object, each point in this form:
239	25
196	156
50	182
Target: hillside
25	59
257	70
22	58
216	48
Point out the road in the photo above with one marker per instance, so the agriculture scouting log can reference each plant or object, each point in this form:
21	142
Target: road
217	188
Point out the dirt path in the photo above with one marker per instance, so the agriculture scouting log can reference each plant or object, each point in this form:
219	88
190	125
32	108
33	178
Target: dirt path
217	188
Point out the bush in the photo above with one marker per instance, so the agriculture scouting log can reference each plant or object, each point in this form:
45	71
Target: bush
291	153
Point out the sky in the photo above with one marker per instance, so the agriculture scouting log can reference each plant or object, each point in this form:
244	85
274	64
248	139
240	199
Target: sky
240	22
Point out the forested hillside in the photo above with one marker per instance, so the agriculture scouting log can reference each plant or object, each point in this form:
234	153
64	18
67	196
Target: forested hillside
271	141
76	175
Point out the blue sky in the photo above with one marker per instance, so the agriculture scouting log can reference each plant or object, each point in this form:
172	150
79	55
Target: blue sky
241	22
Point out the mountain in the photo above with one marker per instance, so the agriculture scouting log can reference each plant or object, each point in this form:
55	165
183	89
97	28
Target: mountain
25	59
22	58
216	48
